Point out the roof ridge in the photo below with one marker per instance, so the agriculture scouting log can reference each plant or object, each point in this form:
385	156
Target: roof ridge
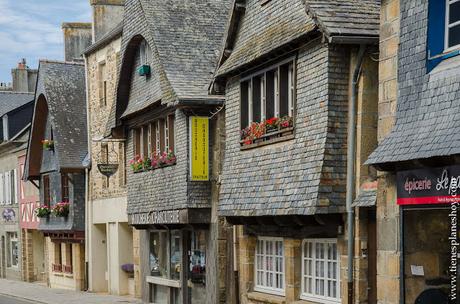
61	62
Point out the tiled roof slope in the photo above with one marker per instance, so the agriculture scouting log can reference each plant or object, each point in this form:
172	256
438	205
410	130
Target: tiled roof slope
345	17
187	36
12	100
63	86
265	28
427	117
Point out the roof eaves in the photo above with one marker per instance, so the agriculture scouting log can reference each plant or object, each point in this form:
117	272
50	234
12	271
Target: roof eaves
116	32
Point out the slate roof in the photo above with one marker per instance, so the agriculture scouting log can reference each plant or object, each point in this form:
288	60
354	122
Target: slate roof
12	100
345	17
63	86
366	198
278	24
186	36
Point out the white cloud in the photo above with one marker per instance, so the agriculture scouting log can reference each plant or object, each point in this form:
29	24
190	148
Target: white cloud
32	29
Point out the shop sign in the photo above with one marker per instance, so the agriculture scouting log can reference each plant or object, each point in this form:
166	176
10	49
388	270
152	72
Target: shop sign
107	169
8	215
429	186
199	148
155	217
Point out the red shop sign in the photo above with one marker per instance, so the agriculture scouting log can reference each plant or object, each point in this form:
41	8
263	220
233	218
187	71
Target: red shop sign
429	186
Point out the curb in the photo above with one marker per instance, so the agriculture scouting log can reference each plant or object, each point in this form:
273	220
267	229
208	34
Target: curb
32	301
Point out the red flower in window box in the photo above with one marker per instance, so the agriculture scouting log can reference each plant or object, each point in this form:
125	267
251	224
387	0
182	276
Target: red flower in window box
286	122
137	163
271	124
61	209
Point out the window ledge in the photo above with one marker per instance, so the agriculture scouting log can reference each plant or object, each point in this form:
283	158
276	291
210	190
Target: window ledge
269	138
266	298
155	168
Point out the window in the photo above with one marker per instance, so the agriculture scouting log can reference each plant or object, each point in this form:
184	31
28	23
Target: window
102	75
144	53
57	265
452	38
65	187
268	105
46	190
154	138
269	265
13	249
13	187
320	271
67	266
268	94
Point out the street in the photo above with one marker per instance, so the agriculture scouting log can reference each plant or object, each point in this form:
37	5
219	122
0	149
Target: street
8	300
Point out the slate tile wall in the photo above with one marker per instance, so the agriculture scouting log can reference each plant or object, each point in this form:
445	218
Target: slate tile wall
285	178
167	188
76	219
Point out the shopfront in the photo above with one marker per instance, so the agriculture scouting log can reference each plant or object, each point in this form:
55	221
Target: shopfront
175	267
429	201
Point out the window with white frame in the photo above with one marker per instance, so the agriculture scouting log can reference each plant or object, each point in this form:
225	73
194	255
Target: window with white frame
267	94
144	53
320	271
452	38
8	187
269	266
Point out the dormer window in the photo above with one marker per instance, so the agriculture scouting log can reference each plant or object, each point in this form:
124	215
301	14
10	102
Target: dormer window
144	58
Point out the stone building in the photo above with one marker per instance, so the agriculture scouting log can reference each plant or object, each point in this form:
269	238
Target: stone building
168	54
16	107
16	113
110	239
296	75
417	205
55	160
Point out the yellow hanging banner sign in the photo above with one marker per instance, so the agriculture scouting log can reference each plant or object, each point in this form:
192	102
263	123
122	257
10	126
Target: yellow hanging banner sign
199	148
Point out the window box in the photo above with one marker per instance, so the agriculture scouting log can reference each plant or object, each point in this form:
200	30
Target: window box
67	269
144	70
57	268
139	164
320	271
274	136
43	211
48	144
61	209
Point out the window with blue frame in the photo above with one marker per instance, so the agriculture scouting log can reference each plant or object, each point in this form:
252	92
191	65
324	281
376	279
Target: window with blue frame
443	31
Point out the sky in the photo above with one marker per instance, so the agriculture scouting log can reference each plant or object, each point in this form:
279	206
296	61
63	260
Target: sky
31	29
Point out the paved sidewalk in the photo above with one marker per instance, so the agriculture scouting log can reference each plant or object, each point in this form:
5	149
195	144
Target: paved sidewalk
40	294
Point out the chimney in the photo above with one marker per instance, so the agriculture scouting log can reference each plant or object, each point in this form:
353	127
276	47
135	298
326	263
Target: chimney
107	14
77	37
24	78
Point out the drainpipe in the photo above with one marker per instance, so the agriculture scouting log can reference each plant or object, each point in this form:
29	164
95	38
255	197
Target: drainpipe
87	205
351	153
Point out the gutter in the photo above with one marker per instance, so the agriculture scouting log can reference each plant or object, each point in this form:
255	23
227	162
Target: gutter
351	155
354	39
200	101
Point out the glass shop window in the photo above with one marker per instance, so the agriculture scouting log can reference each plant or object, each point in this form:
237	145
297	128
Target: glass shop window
197	269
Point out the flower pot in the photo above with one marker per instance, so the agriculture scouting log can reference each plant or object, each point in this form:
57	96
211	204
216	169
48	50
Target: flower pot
144	70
